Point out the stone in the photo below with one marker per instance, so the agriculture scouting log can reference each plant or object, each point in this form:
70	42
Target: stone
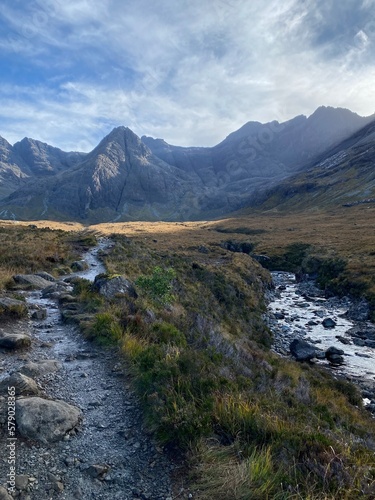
334	355
79	265
39	314
336	359
279	315
31	280
329	323
46	276
15	341
4	495
114	287
45	420
343	340
53	291
22	482
23	385
302	350
98	471
12	307
43	367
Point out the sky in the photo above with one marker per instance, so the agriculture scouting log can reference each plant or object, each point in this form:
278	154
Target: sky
188	71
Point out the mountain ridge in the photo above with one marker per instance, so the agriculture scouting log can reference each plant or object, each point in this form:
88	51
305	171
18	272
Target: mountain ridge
128	178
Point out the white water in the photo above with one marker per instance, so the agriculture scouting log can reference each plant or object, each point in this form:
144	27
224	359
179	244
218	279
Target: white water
359	361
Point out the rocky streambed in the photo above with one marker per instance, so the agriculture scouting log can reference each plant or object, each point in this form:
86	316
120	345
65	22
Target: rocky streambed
331	331
79	426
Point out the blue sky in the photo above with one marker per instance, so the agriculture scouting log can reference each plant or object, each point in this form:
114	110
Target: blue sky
188	71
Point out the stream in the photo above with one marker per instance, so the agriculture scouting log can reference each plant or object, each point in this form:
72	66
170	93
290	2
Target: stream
111	434
297	312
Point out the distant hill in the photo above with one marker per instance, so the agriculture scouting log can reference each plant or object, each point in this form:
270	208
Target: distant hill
128	178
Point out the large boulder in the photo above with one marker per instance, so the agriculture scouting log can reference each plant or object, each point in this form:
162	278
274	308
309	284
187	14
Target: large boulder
54	291
45	420
15	341
23	385
46	276
32	281
111	287
303	351
31	369
12	307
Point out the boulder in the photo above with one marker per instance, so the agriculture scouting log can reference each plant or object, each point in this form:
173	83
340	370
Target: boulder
79	265
328	323
4	495
302	350
114	287
12	307
39	314
55	290
31	280
31	369
23	385
334	355
45	420
15	341
46	276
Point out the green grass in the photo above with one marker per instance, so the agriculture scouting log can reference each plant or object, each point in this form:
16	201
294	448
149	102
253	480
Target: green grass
253	424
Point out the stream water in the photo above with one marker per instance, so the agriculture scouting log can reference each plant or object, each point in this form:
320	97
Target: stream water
112	434
296	313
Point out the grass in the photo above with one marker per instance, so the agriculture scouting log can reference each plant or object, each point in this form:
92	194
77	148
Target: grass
253	425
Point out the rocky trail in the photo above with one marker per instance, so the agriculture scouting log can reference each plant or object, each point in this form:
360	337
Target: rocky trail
332	332
79	425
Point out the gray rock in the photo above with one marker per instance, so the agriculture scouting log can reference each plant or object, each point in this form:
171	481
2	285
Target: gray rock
23	385
329	323
79	265
46	276
39	314
43	367
45	420
4	495
12	307
22	482
15	341
32	280
98	471
114	287
55	290
302	350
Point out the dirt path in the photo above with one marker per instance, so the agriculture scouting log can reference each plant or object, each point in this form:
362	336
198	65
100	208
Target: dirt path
111	435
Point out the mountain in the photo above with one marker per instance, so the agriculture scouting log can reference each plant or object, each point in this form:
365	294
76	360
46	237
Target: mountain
344	175
43	159
119	180
128	178
13	170
263	153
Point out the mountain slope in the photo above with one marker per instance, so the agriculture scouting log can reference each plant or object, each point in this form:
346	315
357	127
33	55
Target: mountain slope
43	159
126	178
345	175
119	180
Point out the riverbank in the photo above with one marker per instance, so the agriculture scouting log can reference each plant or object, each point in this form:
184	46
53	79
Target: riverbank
299	311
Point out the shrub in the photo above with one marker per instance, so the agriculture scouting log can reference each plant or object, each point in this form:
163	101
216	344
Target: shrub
158	286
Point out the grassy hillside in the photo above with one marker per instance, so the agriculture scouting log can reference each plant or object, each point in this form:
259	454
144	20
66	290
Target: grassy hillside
252	425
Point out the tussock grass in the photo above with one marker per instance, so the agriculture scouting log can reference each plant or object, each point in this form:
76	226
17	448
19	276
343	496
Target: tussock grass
255	425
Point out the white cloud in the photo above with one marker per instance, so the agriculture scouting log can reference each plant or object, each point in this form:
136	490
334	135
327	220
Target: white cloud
190	72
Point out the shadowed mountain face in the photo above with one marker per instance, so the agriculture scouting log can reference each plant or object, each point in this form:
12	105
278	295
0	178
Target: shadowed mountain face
344	175
126	178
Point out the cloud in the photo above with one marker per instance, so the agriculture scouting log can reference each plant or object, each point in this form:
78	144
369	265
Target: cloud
190	72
